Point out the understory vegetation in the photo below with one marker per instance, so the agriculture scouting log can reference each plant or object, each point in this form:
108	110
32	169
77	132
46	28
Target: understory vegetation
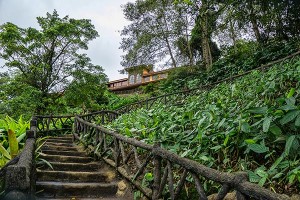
251	124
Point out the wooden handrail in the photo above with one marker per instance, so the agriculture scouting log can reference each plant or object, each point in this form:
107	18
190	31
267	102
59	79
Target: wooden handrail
162	164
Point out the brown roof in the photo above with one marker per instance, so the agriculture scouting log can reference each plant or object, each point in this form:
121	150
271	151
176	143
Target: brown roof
119	80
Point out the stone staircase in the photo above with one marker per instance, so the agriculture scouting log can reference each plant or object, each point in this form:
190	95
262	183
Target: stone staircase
74	175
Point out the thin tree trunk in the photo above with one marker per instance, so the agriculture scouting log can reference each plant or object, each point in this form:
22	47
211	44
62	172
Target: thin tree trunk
255	29
232	34
254	23
168	43
206	52
188	44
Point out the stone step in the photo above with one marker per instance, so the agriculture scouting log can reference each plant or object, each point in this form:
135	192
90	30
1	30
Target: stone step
92	166
73	176
63	136
58	148
66	140
86	189
69	159
58	143
82	198
66	153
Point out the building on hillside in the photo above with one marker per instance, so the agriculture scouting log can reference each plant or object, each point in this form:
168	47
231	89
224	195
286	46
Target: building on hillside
137	76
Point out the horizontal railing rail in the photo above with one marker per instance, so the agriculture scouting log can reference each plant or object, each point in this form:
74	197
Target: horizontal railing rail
100	117
159	173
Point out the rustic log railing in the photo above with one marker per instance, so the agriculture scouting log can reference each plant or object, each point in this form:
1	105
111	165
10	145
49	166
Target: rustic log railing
158	173
178	98
49	125
100	117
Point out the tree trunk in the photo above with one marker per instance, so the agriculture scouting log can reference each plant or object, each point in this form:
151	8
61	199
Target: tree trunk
188	44
168	43
255	28
254	23
232	34
206	52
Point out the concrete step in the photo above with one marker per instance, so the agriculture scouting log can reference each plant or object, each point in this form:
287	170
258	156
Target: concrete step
83	189
65	153
92	166
73	176
68	159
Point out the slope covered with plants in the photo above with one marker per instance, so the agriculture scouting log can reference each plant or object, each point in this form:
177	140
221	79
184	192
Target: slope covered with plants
251	124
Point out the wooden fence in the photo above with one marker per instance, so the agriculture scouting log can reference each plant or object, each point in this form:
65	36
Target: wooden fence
49	125
159	173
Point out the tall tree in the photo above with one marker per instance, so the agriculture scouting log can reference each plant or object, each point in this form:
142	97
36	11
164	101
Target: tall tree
150	36
46	58
208	12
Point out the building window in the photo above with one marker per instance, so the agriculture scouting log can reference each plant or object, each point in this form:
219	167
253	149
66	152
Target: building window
154	77
147	79
138	78
131	79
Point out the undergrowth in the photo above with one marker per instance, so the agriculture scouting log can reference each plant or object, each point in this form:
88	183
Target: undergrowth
251	124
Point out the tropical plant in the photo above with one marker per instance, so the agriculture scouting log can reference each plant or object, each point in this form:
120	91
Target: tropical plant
12	134
251	124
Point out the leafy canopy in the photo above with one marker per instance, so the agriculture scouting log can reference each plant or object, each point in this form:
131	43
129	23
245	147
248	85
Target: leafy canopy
48	58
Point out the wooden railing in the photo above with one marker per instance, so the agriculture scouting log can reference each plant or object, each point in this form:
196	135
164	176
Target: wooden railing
159	173
100	117
49	125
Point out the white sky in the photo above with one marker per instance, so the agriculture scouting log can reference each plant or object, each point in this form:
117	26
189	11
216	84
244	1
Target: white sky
106	15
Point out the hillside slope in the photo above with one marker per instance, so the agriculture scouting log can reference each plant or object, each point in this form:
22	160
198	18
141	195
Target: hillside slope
251	124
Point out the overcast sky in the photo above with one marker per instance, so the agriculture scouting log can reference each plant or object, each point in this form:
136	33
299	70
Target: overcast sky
106	15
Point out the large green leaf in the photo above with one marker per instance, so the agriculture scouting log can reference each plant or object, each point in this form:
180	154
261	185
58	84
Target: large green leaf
266	124
289	116
289	144
245	127
297	121
258	148
4	152
258	110
291	93
275	130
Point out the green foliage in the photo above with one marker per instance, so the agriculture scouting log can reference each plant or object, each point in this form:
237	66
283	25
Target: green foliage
87	88
244	125
114	101
44	61
12	136
243	57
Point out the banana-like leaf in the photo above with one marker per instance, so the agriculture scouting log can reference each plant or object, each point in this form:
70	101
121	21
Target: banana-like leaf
4	152
13	143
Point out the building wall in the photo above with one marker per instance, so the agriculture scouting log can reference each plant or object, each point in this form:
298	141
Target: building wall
137	79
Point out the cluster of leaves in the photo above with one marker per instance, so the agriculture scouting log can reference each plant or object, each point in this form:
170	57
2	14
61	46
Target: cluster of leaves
235	60
251	125
12	134
114	101
48	63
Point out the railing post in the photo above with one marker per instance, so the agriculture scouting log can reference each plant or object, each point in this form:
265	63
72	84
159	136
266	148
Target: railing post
156	173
